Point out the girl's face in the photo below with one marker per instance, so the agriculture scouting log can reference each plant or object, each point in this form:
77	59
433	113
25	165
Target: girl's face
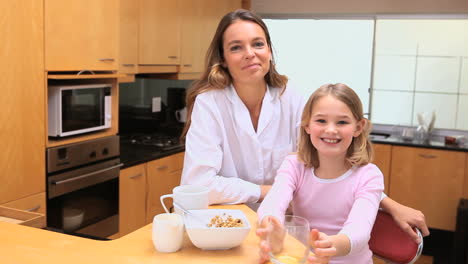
246	52
332	127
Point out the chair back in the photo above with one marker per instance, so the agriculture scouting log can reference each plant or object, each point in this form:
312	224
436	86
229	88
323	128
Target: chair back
390	243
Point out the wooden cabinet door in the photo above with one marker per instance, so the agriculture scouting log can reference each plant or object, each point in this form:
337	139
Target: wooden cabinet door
163	175
383	158
429	180
22	118
465	188
132	205
200	19
128	49
159	32
81	35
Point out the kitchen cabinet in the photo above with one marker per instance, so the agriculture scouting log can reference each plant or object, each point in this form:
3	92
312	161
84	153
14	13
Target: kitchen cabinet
22	118
465	188
141	186
200	19
81	35
382	158
128	38
159	32
132	193
429	180
34	203
162	176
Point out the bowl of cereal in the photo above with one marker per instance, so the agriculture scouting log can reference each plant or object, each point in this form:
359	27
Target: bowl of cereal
216	229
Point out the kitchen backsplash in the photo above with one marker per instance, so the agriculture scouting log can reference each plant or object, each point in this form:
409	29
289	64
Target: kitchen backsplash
135	105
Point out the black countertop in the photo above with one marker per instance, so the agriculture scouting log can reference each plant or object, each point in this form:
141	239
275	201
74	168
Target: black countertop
131	154
433	144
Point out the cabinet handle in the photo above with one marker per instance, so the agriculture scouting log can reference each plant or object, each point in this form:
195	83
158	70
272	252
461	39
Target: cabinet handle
428	156
106	59
33	209
162	167
187	65
136	176
128	64
172	57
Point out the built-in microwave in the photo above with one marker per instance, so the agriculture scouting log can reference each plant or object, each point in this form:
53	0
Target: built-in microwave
77	109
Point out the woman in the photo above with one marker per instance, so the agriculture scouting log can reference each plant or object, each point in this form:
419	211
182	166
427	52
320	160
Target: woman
243	119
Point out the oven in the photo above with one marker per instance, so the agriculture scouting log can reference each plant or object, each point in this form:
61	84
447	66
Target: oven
83	188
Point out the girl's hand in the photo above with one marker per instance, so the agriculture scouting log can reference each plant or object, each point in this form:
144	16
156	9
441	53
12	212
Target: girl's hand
407	218
271	228
323	248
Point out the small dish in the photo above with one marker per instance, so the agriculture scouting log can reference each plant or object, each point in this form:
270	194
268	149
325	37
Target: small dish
215	238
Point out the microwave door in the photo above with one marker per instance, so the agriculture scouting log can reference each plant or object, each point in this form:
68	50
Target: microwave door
84	110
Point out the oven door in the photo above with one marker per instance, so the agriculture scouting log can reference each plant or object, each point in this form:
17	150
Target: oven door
85	201
84	109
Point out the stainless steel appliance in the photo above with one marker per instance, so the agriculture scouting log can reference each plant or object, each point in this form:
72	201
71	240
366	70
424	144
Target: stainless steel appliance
158	141
77	109
83	187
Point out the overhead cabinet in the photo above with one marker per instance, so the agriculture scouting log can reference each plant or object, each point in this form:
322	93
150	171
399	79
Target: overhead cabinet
81	35
159	32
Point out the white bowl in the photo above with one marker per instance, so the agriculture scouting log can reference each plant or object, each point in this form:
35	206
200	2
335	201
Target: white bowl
215	238
72	218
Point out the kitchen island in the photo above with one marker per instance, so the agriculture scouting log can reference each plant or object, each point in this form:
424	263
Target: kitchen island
21	244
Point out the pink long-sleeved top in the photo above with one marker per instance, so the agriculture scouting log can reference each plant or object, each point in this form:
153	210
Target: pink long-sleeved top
347	204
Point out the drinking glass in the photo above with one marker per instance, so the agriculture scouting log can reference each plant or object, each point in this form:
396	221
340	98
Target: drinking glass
289	242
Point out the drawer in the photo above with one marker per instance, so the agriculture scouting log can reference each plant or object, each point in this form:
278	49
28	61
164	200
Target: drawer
35	203
15	216
168	164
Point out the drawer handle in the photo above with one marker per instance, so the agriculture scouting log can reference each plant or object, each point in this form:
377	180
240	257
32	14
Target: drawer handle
136	176
33	209
187	65
172	57
128	64
162	167
106	59
428	156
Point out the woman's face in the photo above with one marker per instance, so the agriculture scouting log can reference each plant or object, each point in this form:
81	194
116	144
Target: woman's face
332	127
246	52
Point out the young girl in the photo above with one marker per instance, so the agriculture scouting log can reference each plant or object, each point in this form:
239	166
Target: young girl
329	181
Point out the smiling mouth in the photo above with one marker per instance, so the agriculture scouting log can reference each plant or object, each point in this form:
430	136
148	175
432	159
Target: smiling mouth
251	66
332	141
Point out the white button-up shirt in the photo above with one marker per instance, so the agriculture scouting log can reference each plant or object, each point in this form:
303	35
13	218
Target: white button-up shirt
225	153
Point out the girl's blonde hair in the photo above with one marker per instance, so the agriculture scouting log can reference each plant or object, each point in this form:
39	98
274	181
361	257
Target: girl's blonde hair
360	151
215	75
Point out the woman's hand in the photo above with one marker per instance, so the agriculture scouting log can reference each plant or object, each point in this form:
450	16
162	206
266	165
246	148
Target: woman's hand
271	228
323	248
406	218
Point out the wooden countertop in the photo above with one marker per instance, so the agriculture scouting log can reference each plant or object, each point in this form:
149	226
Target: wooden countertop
22	244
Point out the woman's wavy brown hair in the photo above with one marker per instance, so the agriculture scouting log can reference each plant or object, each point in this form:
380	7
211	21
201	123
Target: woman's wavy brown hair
215	76
360	151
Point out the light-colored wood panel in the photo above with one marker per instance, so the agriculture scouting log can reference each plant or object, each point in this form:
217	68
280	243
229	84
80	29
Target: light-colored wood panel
159	32
429	180
15	216
81	35
128	35
200	19
465	188
383	158
34	203
132	195
162	176
22	118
